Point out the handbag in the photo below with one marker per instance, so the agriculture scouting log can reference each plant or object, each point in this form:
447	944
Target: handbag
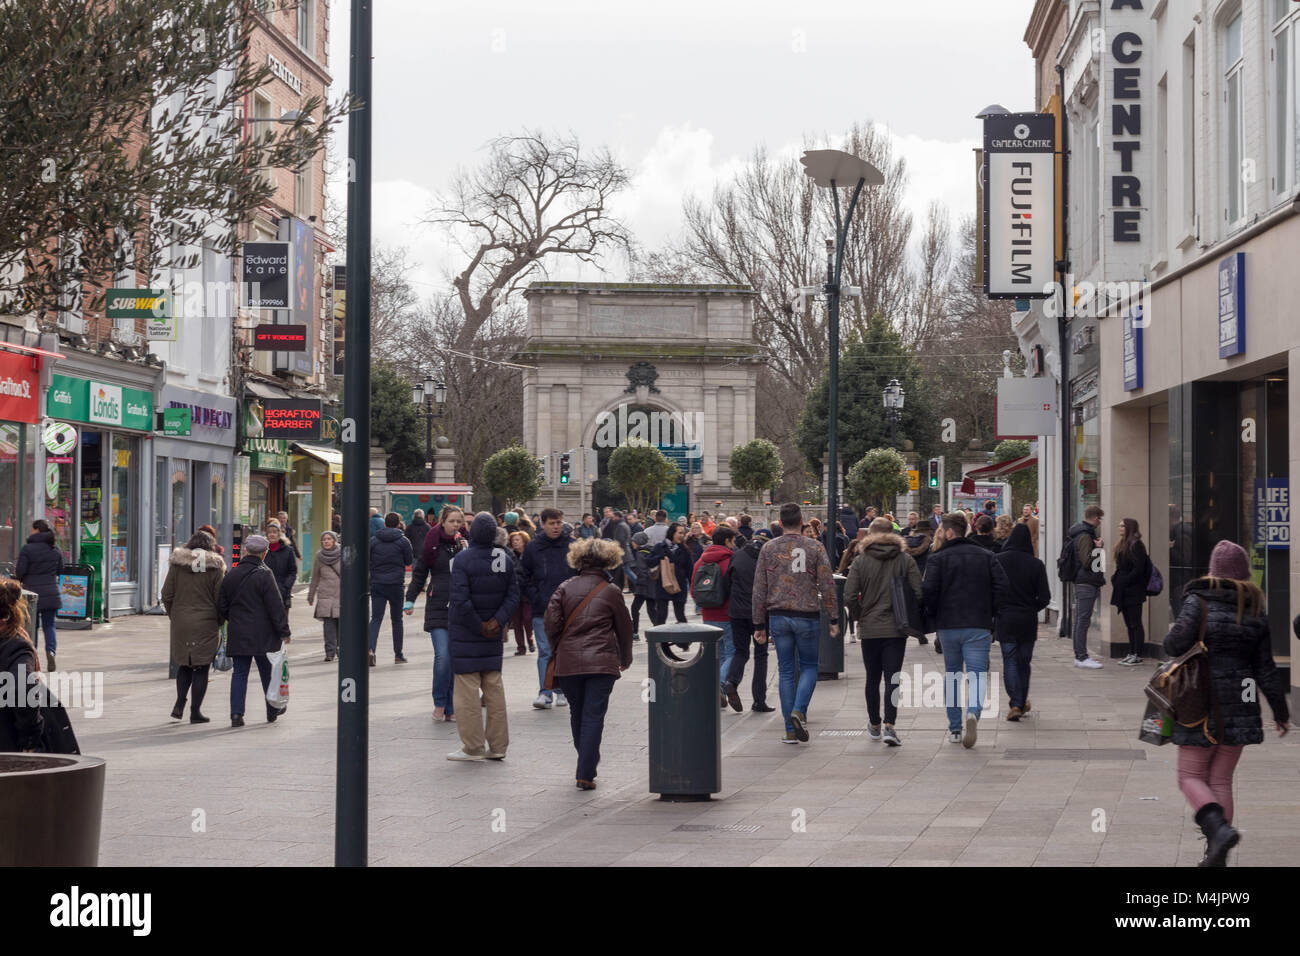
1183	689
668	577
907	612
221	660
548	681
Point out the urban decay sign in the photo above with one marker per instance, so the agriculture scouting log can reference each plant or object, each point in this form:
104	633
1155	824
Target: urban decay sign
1019	205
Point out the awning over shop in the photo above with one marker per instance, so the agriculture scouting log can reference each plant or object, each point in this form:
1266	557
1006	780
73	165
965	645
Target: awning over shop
264	390
1002	469
328	456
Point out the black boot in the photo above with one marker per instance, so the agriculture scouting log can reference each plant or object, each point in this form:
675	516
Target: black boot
1220	836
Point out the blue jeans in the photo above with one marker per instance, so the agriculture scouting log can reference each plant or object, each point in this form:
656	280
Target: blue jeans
386	596
543	654
443	678
1016	666
795	637
239	682
46	617
726	649
966	647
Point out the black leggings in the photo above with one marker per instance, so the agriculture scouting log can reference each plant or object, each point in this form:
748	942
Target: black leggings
637	603
659	609
884	659
191	678
1137	635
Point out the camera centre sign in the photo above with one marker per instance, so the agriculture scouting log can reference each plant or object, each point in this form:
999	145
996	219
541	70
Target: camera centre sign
1125	120
1019	205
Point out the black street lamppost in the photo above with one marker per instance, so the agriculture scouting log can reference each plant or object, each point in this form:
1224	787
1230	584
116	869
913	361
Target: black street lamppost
893	408
830	168
429	393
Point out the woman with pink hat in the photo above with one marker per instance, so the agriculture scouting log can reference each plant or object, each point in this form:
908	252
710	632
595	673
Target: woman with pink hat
1238	643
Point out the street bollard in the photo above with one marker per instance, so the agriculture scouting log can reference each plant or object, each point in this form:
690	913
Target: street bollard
685	717
830	651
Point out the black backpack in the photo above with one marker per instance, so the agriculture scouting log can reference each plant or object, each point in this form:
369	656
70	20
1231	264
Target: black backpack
1067	565
709	587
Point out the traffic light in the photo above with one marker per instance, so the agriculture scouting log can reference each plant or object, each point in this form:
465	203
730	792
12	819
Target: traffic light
545	464
564	468
934	472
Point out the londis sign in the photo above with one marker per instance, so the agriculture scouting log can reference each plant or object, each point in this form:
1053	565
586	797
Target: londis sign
99	403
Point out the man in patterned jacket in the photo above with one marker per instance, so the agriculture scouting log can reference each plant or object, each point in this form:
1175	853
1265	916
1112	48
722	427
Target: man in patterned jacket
793	586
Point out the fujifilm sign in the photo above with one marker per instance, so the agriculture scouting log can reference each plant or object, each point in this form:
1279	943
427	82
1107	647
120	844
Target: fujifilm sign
1019	205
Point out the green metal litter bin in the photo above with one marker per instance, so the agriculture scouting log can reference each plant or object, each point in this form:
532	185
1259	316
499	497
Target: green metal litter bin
830	651
685	717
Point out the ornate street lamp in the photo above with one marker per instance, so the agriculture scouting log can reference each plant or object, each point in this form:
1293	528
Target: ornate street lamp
893	396
428	394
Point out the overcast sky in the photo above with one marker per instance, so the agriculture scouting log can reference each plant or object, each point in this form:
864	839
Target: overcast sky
682	92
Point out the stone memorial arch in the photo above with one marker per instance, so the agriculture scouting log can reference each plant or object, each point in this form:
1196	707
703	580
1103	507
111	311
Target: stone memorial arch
674	365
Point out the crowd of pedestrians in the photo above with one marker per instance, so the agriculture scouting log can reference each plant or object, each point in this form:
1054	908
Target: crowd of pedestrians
562	591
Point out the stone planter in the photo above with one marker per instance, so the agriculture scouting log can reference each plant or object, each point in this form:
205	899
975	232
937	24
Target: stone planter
50	809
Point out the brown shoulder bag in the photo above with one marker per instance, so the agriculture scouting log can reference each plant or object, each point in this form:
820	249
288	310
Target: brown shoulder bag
548	682
1183	689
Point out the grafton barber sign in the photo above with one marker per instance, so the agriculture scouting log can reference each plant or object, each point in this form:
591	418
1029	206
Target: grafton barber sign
1019	205
295	418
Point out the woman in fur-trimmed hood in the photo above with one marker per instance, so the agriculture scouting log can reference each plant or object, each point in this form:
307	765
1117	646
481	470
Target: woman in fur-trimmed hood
882	555
189	594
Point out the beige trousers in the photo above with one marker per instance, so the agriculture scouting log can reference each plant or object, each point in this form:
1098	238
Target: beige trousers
469	712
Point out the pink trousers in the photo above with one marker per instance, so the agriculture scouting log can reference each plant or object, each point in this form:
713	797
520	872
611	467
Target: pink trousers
1205	775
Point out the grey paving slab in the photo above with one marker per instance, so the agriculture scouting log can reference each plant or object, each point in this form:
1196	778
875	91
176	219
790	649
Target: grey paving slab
266	792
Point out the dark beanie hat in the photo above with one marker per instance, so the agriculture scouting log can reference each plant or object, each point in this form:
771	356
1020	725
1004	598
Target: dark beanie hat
1229	560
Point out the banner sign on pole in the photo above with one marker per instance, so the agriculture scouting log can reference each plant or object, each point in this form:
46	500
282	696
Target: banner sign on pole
265	275
1019	205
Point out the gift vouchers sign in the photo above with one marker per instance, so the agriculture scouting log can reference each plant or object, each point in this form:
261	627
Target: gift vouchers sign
280	338
293	418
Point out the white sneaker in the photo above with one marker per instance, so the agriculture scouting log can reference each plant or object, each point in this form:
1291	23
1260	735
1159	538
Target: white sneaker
954	736
543	702
1131	661
1089	663
494	756
560	699
873	731
461	755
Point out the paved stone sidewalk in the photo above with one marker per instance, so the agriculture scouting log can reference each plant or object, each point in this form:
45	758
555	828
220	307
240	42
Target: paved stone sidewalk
182	794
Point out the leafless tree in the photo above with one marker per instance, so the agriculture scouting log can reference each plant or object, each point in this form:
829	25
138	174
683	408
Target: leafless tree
537	198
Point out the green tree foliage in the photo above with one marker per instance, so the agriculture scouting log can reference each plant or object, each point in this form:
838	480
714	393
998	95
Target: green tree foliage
641	473
1024	483
122	144
756	466
866	367
879	474
396	425
513	474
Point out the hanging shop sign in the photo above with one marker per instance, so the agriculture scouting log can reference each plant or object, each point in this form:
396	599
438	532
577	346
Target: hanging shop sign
340	315
99	403
135	303
1232	305
280	338
19	389
59	438
1129	33
265	274
212	417
162	328
306	297
1019	205
267	454
296	418
1027	407
1132	338
176	422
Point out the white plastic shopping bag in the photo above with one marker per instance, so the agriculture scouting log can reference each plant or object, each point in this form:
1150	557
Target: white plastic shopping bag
277	691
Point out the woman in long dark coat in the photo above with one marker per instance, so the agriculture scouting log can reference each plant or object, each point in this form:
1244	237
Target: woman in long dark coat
675	548
1129	586
251	605
39	564
190	594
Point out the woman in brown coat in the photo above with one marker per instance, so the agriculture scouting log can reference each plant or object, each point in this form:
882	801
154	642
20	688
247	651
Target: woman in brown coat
592	644
190	596
323	591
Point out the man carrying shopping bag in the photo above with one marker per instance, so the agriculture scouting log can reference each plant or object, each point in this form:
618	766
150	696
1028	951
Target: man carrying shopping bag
251	605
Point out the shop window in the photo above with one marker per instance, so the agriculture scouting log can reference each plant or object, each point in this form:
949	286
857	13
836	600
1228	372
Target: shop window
1232	125
217	506
1284	95
121	555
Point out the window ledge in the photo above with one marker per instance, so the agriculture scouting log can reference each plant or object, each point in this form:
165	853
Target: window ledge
1187	241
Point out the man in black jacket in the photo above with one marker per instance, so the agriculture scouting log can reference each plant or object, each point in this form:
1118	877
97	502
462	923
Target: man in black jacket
1087	581
740	586
1027	594
390	555
543	567
416	531
962	591
617	530
250	602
